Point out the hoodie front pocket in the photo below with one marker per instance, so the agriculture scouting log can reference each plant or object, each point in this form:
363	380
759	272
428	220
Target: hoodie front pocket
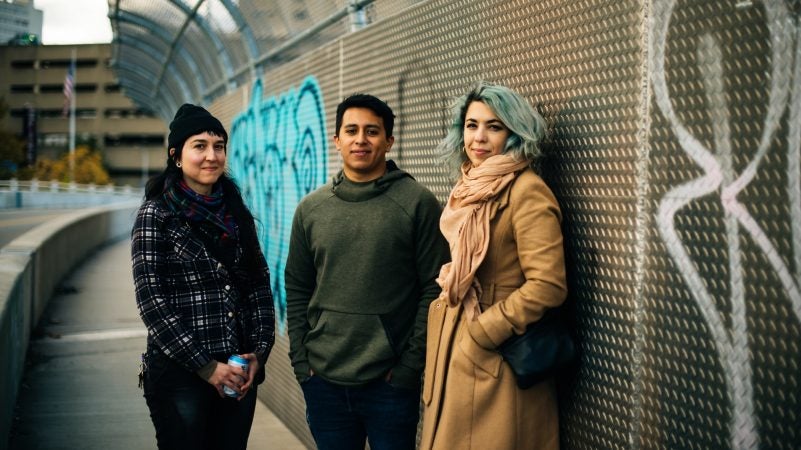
349	347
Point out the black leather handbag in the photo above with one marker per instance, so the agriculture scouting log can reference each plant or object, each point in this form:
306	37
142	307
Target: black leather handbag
543	350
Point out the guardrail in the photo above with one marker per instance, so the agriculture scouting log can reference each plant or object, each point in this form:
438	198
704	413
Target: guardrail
53	194
31	266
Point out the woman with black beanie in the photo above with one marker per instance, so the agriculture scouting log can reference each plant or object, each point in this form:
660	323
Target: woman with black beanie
203	291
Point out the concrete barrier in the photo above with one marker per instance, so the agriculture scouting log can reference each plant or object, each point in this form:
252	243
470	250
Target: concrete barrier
31	267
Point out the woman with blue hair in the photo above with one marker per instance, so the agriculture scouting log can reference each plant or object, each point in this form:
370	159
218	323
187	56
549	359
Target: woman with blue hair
507	269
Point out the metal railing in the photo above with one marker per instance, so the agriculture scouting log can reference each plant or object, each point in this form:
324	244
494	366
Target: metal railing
14	185
53	194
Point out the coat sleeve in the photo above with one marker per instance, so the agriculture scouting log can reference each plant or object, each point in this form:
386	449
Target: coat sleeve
536	225
149	257
431	252
301	280
262	310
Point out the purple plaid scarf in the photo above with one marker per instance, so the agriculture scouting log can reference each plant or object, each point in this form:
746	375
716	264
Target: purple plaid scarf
198	208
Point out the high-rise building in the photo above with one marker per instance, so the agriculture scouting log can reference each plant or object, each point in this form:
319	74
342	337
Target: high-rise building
131	139
19	17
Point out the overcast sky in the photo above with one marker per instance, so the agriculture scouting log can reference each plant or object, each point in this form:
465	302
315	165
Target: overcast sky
74	21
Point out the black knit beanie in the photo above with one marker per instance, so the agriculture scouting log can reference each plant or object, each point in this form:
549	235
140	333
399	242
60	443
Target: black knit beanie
189	121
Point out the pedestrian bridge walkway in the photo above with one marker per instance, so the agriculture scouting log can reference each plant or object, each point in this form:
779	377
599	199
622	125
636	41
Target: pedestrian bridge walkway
80	384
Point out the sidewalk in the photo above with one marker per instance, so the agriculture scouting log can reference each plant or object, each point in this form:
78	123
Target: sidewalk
80	384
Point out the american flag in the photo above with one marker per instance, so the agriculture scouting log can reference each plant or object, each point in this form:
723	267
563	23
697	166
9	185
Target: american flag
69	85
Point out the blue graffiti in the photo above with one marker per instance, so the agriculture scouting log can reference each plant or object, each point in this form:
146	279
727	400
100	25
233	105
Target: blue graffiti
278	155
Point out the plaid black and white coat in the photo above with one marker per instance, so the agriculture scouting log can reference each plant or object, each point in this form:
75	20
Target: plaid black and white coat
189	301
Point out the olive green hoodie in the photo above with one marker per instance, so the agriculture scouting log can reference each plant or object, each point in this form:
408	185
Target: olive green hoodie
363	260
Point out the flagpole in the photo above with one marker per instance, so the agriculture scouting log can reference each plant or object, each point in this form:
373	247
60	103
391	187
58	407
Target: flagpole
72	116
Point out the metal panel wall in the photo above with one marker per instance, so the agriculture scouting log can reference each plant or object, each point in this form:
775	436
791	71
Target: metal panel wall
720	359
674	153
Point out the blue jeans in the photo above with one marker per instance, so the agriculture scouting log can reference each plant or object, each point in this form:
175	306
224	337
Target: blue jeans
341	418
189	414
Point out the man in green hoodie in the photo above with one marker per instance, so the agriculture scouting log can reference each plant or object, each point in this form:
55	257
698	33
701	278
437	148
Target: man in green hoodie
364	256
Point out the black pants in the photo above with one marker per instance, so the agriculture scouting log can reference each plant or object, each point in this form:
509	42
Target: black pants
189	414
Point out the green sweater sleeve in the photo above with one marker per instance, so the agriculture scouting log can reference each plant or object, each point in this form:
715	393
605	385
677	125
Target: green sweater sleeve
431	252
300	276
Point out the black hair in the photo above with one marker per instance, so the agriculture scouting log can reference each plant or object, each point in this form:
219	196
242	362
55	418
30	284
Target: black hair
232	195
373	103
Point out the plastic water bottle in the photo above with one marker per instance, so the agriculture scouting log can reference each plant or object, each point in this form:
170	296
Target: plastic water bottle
242	363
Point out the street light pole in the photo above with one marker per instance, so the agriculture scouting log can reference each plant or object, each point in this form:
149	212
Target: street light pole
72	116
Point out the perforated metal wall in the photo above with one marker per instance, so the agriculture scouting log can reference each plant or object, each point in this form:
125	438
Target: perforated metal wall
674	153
721	356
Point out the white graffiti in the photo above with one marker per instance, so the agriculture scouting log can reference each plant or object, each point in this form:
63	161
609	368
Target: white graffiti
721	180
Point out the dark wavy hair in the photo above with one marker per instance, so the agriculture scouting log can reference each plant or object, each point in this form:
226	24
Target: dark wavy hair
232	195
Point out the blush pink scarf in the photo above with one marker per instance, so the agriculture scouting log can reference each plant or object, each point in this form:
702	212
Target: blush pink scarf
465	223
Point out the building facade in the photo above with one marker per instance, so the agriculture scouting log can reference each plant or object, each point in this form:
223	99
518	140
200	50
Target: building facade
19	17
131	139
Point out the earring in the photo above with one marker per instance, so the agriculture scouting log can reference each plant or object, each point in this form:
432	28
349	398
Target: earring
178	164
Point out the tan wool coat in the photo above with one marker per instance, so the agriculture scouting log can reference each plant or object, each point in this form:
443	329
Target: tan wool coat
470	397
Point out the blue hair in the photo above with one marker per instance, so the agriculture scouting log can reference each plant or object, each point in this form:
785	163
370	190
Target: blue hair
526	126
